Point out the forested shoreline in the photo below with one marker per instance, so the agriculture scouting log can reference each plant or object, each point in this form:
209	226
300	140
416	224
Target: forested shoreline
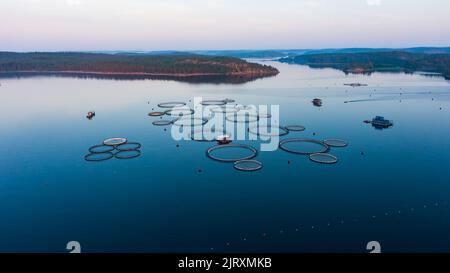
377	61
108	64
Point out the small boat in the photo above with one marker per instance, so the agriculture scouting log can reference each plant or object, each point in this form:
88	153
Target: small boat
357	84
90	114
317	102
224	139
381	122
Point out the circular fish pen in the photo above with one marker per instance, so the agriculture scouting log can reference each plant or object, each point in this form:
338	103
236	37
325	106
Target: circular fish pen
282	131
213	102
323	158
171	104
336	143
248	165
295	128
224	109
228	100
242	118
162	122
114	141
129	146
100	149
210	152
192	122
127	154
317	146
179	112
156	114
97	157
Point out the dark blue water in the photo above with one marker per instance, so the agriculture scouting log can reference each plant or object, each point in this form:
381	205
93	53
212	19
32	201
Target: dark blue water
390	186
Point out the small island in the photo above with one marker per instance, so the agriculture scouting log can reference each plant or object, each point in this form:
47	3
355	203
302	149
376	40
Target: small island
395	61
190	68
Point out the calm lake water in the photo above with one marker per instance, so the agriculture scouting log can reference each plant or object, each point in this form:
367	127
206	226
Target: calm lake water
390	185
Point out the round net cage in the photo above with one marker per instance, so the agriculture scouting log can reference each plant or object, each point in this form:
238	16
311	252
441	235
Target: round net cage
99	149
162	122
171	104
156	114
114	141
128	154
224	109
248	165
213	102
271	131
192	122
229	100
323	158
232	152
129	146
248	107
96	157
295	128
242	118
179	112
303	146
336	142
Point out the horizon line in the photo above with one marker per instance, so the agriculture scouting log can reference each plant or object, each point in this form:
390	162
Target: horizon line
224	50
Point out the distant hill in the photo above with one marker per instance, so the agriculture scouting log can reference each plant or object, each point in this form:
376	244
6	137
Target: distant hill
281	53
424	50
255	54
179	65
243	54
377	61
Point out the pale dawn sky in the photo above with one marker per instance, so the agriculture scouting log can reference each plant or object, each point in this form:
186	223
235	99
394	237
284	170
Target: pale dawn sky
56	25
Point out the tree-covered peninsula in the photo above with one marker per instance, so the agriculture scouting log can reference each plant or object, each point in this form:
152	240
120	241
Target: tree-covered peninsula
377	61
170	66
